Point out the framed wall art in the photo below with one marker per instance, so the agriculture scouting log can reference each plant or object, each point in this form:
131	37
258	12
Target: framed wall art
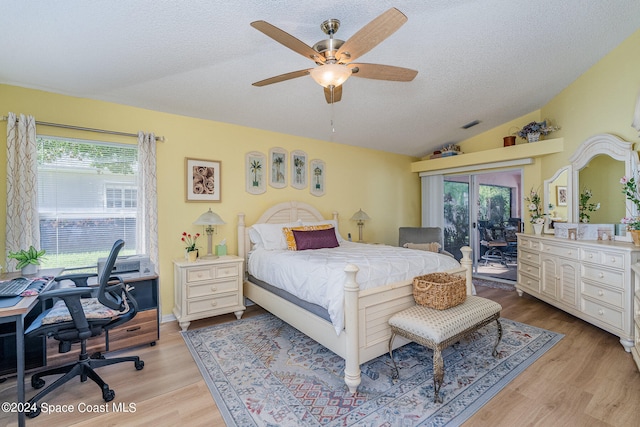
317	177
299	169
278	167
202	180
561	195
255	172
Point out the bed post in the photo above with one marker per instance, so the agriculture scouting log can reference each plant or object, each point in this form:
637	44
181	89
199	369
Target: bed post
351	327
467	263
241	237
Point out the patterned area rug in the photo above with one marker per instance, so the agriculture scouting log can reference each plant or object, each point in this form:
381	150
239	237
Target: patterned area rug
494	284
263	372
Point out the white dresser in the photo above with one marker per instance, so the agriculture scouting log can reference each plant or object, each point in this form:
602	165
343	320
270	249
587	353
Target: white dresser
207	288
592	280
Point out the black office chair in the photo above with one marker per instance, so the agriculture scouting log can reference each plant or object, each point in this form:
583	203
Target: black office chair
76	318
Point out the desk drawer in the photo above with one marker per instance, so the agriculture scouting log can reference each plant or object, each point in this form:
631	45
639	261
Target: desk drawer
143	329
211	288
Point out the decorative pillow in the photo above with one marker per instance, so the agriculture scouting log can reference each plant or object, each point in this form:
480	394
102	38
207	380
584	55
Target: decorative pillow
93	309
431	247
331	222
271	234
291	241
315	239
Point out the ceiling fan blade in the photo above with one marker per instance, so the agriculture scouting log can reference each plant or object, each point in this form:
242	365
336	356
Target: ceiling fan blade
371	35
288	40
333	97
282	78
382	72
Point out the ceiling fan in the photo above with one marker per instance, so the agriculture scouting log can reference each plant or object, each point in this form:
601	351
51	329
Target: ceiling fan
333	56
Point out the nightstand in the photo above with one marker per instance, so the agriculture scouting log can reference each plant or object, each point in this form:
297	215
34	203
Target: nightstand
207	287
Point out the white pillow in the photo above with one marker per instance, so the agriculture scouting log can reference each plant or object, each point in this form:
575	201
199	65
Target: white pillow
326	221
254	236
271	235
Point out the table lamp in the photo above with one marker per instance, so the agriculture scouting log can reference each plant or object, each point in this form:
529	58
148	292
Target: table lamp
209	219
360	217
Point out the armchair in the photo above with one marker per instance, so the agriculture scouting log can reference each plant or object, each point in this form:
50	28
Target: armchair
75	318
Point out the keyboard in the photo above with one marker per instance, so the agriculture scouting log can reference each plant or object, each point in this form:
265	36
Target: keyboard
14	287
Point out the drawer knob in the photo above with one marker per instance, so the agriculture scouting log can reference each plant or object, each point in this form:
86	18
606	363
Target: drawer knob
569	252
613	260
601	312
528	256
590	255
600	293
601	275
214	303
528	268
213	288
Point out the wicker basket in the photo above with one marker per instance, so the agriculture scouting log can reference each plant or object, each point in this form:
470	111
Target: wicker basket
439	290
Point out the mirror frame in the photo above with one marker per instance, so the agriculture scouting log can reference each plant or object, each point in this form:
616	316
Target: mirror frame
547	197
600	144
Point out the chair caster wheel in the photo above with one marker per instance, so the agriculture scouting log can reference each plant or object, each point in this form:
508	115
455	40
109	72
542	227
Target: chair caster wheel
139	365
35	413
37	382
108	395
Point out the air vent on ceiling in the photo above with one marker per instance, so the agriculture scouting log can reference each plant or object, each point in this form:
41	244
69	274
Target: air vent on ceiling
471	124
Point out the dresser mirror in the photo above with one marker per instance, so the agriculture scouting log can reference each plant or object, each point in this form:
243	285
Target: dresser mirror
597	165
557	199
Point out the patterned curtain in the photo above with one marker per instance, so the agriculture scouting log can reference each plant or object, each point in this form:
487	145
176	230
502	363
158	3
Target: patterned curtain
147	217
23	227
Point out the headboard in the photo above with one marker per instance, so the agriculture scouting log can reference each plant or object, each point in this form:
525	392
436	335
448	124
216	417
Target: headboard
277	214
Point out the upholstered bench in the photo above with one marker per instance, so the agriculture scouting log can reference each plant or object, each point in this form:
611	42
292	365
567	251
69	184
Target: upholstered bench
438	329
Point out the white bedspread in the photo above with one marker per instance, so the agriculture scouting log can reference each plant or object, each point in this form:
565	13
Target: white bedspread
318	276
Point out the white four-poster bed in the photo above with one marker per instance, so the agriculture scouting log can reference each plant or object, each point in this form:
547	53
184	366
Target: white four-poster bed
366	312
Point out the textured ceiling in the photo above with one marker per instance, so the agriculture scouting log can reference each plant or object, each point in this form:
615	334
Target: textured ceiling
491	60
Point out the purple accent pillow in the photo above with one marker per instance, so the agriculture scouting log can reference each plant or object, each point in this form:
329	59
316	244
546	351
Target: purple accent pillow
315	239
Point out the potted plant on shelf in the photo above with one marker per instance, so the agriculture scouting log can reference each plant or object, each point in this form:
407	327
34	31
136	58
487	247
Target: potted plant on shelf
29	260
534	130
630	190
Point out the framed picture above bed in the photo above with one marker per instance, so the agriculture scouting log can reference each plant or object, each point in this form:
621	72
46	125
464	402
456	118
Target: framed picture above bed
202	180
317	173
299	169
255	172
278	167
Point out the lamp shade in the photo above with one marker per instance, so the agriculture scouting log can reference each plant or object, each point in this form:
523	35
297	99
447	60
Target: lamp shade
360	216
209	218
330	74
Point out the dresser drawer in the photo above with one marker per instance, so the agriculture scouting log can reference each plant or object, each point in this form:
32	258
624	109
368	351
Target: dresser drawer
604	314
602	294
529	269
209	272
609	259
528	283
560	250
211	288
212	304
608	277
525	242
532	257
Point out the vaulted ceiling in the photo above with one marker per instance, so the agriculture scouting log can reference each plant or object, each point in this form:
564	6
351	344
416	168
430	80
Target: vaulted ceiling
491	60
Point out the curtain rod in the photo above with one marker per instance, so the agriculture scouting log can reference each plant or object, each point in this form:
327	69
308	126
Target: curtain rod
110	132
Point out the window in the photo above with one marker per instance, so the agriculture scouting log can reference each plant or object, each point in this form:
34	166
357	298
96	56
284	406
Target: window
87	199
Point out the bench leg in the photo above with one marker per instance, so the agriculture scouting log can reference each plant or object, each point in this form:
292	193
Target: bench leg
495	347
438	374
397	374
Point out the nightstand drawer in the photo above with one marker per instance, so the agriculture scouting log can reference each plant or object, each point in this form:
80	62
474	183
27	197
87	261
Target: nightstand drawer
211	288
211	304
224	271
209	272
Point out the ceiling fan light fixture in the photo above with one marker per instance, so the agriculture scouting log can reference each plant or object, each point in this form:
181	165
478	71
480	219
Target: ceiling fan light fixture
330	74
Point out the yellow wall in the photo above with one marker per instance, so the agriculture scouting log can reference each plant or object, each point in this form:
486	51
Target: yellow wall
378	182
602	100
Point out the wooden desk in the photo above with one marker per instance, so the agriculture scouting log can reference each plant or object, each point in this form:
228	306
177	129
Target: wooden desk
16	314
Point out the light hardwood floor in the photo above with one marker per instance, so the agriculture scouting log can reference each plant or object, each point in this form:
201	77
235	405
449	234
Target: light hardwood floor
587	379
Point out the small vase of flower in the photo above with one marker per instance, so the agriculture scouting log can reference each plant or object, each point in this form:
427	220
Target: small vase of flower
535	211
189	240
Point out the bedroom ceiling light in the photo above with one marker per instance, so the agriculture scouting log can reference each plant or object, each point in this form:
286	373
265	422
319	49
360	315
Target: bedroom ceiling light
209	219
360	217
328	75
